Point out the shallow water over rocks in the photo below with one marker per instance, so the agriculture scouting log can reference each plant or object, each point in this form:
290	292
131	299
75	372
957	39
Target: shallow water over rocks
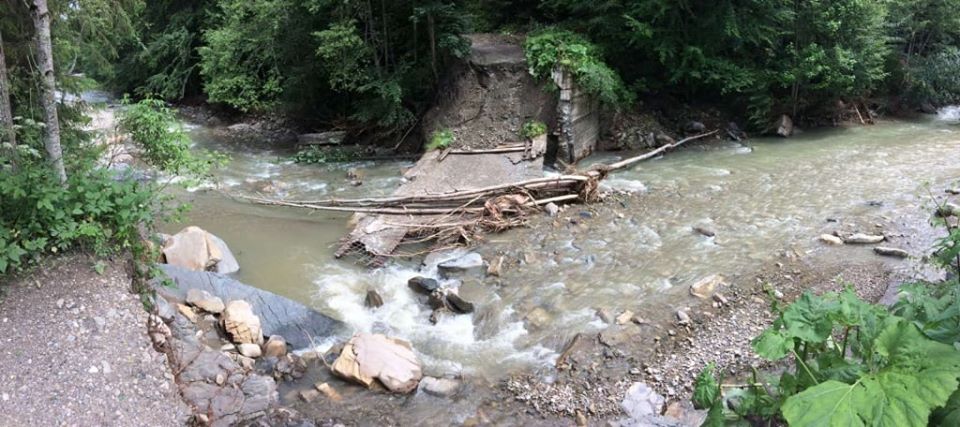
639	251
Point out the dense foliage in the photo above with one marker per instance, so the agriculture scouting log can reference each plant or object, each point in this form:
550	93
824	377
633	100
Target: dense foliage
855	363
552	49
374	65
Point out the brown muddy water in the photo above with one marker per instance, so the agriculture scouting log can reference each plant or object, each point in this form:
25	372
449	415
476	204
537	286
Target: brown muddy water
636	251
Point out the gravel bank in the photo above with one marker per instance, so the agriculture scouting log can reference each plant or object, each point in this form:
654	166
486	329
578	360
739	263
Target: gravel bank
75	351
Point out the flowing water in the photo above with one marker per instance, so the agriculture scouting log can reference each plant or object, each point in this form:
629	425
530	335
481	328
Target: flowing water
634	252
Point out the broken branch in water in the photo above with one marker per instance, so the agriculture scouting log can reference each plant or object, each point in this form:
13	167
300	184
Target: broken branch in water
460	217
651	154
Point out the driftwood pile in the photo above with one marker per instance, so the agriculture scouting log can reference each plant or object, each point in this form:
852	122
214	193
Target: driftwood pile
460	217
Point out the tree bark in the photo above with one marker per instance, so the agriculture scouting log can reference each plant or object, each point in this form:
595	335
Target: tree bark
6	112
51	132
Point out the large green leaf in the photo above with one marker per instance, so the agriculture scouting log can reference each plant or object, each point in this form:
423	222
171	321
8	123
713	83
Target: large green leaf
918	375
772	345
810	318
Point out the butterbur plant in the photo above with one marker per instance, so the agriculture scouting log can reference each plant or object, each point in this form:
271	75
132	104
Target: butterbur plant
854	363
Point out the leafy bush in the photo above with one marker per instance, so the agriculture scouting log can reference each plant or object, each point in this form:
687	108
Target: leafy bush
935	78
95	211
98	209
532	129
441	139
153	127
550	49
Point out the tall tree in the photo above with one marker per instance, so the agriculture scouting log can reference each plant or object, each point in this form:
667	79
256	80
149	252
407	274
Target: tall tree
51	132
6	112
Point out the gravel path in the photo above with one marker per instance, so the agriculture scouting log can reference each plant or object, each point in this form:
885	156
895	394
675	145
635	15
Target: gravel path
74	351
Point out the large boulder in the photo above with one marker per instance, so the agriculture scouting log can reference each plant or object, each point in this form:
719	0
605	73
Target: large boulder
241	324
195	249
785	126
297	323
369	357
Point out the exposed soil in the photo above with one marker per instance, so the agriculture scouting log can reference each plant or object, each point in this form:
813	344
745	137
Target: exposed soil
75	350
486	98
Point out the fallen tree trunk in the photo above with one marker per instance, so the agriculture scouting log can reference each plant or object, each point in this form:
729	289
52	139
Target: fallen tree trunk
459	216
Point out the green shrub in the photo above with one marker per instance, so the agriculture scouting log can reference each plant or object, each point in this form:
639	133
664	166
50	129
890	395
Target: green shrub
153	127
94	211
549	49
936	78
98	209
441	139
532	129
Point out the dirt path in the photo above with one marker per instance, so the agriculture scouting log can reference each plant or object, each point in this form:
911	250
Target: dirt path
74	351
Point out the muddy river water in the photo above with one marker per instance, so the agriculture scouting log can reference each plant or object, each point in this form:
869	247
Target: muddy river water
635	251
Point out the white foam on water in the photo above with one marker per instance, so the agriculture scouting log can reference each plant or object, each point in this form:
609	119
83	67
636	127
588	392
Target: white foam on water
949	113
625	185
450	346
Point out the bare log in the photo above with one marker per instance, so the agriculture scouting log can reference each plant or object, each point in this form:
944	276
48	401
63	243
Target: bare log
651	154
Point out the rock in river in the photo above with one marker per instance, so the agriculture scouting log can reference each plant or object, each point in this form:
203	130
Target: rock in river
195	249
440	387
471	263
831	239
863	239
423	285
458	305
373	299
784	126
891	252
295	322
705	287
369	357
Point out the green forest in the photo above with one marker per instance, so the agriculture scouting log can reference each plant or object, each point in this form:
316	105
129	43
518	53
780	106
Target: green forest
368	64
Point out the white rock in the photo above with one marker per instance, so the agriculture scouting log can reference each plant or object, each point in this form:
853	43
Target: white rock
369	357
205	301
195	249
831	239
249	350
93	370
641	401
861	238
891	252
705	287
552	209
241	324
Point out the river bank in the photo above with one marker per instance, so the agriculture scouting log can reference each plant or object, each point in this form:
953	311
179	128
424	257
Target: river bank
721	208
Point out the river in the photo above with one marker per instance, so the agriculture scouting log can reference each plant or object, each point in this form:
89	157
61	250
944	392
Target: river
635	251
